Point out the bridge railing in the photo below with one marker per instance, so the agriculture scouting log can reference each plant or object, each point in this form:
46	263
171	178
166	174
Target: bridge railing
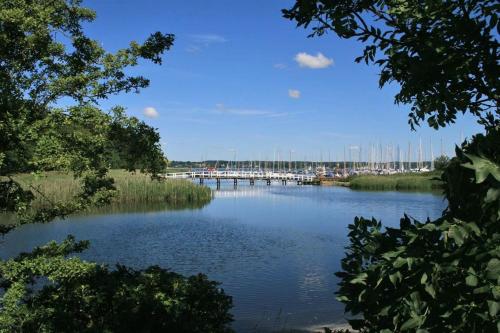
233	174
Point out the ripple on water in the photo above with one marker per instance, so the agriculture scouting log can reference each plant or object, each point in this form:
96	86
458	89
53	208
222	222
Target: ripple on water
275	249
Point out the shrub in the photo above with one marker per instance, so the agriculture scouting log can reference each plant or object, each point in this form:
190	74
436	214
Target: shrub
78	296
433	276
441	162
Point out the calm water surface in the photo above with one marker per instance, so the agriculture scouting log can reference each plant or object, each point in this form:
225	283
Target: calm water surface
274	248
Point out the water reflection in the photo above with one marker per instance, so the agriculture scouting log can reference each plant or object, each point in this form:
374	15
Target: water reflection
141	207
122	208
274	248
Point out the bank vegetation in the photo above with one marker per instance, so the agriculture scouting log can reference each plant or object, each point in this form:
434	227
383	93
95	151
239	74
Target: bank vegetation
131	188
428	181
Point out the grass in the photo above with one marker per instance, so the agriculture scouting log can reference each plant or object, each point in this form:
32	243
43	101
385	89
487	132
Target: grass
410	182
132	188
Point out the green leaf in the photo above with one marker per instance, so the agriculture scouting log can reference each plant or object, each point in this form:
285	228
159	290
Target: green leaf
423	280
360	296
430	290
493	195
395	278
391	254
456	234
359	279
493	308
496	292
481	290
413	322
474	228
447	314
493	269
410	261
471	280
385	310
399	262
429	227
483	168
342	299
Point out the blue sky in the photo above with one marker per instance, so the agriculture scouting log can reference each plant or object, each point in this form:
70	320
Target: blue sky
241	78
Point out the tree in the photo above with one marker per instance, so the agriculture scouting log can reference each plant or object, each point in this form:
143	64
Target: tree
441	162
443	54
46	57
441	275
433	276
52	77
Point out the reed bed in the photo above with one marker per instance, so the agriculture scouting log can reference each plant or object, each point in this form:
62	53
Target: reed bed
410	182
132	188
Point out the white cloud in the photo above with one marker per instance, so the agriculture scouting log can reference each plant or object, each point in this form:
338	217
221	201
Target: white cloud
314	62
198	42
293	93
193	49
222	109
280	66
150	112
207	39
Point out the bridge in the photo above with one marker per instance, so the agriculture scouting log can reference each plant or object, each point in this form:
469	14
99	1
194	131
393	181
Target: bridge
250	175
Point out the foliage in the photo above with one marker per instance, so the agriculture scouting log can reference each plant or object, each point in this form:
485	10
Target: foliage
45	58
437	275
441	275
47	61
443	54
79	296
130	188
407	181
441	162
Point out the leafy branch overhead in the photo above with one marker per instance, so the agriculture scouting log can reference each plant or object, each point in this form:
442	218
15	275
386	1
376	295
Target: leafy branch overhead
48	56
443	54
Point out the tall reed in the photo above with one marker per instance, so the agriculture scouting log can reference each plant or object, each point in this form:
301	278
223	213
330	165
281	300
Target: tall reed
132	188
411	181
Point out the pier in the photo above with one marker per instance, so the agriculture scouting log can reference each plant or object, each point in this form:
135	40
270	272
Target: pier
244	175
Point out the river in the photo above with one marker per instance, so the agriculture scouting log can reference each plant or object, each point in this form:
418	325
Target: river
274	248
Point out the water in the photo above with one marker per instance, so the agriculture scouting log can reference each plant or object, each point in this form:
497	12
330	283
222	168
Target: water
275	249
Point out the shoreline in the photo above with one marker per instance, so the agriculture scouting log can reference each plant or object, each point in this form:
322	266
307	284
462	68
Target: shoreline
422	182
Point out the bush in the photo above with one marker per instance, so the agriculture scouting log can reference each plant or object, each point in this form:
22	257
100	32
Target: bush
433	276
78	296
441	162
